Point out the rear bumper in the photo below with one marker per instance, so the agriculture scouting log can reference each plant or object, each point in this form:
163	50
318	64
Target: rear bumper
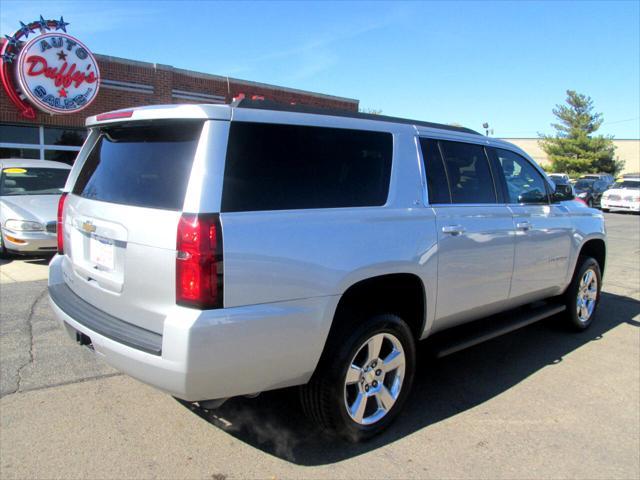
213	353
29	242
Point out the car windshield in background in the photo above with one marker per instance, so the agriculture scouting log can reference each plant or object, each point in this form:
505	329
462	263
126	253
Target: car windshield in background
628	184
584	184
32	181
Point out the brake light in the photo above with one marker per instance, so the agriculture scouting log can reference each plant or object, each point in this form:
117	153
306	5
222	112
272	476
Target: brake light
60	223
199	261
114	115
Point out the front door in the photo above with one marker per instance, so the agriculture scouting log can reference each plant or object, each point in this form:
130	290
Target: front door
543	230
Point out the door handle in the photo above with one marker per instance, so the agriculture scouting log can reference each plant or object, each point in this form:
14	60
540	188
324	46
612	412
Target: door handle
453	229
524	226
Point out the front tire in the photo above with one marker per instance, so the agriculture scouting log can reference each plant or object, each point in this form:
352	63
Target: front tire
363	379
583	295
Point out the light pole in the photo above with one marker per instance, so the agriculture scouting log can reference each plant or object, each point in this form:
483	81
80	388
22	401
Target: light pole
485	125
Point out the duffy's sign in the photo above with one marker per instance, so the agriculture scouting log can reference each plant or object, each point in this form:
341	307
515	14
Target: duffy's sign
53	71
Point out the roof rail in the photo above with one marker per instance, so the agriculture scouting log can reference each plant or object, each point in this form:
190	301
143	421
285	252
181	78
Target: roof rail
259	104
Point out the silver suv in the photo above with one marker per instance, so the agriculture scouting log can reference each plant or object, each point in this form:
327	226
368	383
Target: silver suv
214	251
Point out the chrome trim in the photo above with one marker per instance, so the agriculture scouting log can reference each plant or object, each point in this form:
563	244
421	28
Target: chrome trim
371	377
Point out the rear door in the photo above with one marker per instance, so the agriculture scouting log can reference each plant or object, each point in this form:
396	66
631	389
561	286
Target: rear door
121	219
544	230
475	231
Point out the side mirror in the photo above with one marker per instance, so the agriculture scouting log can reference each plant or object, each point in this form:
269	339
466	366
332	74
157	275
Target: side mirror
532	196
563	193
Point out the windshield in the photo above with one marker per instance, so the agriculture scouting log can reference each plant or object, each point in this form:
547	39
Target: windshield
583	184
32	181
627	184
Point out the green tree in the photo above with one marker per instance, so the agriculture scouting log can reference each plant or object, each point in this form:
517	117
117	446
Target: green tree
574	148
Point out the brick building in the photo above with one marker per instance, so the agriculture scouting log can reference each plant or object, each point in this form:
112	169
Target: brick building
128	83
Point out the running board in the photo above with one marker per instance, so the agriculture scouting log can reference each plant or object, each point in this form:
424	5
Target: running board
465	336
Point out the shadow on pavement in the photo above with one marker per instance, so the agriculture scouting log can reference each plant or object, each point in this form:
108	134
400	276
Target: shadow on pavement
42	259
275	424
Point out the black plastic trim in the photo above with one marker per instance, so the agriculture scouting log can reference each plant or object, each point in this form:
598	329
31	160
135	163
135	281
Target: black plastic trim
104	324
282	107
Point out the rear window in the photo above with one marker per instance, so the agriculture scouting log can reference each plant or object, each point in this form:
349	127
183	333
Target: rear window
282	167
145	166
32	181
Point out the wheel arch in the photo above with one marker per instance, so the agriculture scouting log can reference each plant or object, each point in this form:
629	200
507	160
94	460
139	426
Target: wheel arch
596	248
403	294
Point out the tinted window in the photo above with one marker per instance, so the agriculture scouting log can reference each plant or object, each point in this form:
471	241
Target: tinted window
434	169
147	166
468	172
627	184
280	167
32	181
19	134
524	183
19	153
585	184
64	136
64	156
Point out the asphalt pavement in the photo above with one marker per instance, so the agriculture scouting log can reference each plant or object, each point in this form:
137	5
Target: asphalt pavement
538	403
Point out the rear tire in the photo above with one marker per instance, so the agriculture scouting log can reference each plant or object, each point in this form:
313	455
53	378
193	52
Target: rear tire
583	294
363	378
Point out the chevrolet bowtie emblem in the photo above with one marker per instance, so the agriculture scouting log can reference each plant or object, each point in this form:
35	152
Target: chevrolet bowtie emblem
88	227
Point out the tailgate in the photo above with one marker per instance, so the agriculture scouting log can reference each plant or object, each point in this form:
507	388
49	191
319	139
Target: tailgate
121	220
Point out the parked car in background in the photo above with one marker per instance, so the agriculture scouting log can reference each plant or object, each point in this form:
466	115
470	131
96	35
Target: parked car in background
29	194
563	185
605	177
590	190
623	195
559	177
224	250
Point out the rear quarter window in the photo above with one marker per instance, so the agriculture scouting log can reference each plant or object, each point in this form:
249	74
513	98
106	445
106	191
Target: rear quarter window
283	167
141	165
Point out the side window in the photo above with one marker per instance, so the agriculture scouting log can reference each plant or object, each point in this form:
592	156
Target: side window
285	167
524	183
468	172
434	170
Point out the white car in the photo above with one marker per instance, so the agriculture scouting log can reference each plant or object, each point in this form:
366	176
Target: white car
29	194
624	195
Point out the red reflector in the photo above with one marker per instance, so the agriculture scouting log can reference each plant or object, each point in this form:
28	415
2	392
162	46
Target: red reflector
114	115
60	223
199	261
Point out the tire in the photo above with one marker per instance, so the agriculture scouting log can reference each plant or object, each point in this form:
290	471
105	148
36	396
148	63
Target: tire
336	390
605	210
590	203
583	294
3	249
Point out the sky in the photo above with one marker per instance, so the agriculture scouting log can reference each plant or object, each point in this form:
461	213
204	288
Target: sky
506	63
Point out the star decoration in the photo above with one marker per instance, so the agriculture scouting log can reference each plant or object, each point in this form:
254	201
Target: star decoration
13	41
42	24
62	55
61	25
62	92
8	57
26	29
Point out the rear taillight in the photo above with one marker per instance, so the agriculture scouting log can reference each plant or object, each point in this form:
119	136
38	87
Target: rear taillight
199	261
60	223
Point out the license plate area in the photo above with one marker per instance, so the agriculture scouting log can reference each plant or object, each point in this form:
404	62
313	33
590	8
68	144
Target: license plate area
102	253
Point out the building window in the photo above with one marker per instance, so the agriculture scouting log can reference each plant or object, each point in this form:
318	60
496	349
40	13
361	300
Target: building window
40	142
